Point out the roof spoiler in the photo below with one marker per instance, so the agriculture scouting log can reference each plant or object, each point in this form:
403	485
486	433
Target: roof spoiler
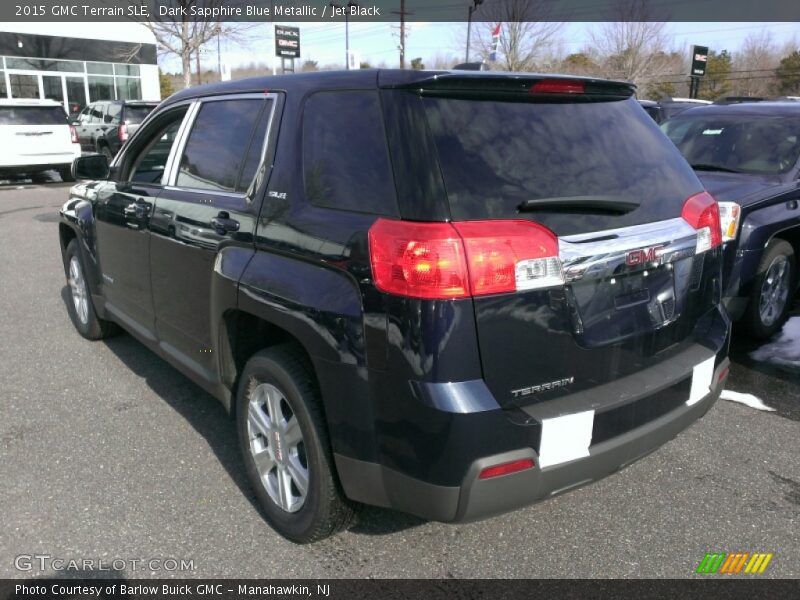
515	84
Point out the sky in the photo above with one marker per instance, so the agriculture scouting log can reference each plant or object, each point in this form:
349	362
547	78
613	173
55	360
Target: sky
377	43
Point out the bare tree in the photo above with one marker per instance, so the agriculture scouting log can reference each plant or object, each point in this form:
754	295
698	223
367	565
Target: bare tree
632	43
526	36
184	36
755	61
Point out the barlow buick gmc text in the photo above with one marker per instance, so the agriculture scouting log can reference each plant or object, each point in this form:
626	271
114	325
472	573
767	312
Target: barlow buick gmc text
449	293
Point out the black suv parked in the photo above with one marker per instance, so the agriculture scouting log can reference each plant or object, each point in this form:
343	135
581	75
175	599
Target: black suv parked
450	293
104	126
748	156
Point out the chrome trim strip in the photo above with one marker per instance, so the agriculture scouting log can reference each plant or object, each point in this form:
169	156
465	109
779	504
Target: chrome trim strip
604	254
171	168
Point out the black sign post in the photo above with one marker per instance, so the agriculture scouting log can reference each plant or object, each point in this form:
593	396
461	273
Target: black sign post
287	45
699	62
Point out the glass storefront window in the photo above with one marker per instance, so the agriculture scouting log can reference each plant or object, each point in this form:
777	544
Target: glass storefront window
71	66
101	88
128	88
130	70
96	68
3	88
24	86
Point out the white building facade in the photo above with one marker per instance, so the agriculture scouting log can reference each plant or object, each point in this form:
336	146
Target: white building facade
98	61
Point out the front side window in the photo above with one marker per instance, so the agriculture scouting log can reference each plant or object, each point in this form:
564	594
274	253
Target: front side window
150	164
217	145
345	155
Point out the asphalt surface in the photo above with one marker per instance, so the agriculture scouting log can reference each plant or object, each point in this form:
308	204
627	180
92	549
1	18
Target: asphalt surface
107	452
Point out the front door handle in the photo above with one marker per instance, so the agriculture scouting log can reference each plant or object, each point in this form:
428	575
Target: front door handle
224	224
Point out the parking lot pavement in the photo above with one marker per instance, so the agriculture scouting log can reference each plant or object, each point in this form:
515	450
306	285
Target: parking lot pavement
107	452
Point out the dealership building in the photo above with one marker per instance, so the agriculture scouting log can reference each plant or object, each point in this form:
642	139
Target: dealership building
98	61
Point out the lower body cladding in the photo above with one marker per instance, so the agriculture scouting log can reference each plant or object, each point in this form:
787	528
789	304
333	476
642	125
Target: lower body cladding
571	441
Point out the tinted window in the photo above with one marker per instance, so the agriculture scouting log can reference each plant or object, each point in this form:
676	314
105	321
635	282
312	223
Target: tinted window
256	151
149	165
96	113
496	155
345	157
136	114
32	115
767	144
112	112
217	144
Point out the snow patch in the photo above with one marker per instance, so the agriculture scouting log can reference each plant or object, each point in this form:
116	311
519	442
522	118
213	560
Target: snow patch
746	399
784	350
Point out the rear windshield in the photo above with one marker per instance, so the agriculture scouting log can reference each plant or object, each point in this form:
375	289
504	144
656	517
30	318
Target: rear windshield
768	144
136	114
32	115
495	155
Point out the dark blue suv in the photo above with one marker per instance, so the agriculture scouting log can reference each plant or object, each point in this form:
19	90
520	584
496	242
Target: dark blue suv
449	293
748	157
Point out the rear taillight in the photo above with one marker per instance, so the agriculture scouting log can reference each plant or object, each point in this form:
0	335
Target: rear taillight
702	213
508	256
422	260
729	213
507	468
122	132
444	260
73	134
558	86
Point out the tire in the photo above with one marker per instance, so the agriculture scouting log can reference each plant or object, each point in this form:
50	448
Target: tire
773	289
80	307
279	381
66	174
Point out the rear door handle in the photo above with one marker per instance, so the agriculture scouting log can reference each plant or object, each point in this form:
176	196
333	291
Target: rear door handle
224	224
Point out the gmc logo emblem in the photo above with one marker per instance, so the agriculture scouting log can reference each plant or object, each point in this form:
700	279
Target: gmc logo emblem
643	256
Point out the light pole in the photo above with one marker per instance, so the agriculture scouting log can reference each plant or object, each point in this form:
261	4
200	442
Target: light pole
347	30
472	9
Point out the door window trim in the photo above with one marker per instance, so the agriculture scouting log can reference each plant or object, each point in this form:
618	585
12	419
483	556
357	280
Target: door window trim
173	163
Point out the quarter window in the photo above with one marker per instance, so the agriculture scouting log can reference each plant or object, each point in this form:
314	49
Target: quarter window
217	145
345	156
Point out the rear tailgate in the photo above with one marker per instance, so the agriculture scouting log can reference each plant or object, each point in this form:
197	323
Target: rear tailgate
34	135
596	170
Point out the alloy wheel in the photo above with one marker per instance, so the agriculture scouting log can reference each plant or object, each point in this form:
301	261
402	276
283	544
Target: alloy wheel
774	291
277	447
77	286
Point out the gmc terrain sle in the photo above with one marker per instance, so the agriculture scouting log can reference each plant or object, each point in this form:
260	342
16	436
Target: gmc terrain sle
453	294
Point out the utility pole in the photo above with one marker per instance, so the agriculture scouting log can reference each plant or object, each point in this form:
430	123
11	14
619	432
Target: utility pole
403	12
472	9
349	5
219	53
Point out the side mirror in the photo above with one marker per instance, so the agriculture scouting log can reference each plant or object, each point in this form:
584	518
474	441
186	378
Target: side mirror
91	166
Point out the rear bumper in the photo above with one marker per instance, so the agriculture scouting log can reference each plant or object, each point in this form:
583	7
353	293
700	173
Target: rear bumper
656	408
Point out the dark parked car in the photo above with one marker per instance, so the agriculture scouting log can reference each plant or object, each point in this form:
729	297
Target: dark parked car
449	293
669	107
104	126
747	156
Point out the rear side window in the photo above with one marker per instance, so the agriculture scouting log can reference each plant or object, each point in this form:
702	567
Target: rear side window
345	156
496	155
218	143
32	115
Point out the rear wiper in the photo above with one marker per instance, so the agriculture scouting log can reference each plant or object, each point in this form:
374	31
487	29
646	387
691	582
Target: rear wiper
609	204
710	167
